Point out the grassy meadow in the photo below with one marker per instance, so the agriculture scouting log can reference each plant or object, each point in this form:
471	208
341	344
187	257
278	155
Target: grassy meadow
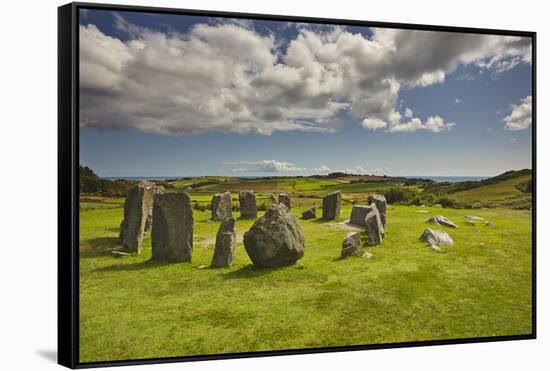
133	307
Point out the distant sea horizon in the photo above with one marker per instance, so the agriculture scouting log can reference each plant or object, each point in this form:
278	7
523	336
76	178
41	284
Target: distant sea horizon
439	179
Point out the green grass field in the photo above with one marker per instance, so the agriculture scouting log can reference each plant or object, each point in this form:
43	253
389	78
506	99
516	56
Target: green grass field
134	308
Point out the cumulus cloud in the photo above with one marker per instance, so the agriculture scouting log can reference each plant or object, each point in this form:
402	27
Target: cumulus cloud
266	166
225	76
521	116
322	169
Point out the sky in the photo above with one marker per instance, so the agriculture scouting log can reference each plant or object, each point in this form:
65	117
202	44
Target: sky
174	95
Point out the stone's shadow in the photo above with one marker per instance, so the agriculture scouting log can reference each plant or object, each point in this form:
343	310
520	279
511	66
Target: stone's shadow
50	355
99	247
148	264
248	271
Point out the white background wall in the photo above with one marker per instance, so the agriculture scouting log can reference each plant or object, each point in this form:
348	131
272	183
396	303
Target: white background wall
28	183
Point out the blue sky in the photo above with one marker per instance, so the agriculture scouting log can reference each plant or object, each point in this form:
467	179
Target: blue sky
172	95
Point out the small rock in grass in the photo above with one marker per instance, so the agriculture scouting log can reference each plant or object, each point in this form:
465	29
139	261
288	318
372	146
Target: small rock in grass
422	211
473	217
489	224
436	238
367	255
119	254
309	214
441	220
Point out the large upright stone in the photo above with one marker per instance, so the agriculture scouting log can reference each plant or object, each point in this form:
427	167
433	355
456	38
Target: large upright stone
221	206
226	240
247	204
374	228
172	234
381	204
276	239
351	244
358	214
284	199
331	205
137	206
157	189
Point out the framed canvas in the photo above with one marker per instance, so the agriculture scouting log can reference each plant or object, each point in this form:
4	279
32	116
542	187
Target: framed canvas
243	185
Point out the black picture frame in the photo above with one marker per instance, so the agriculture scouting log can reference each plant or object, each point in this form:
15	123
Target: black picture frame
68	198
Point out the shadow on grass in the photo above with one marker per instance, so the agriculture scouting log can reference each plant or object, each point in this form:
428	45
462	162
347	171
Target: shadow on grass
99	247
248	271
148	264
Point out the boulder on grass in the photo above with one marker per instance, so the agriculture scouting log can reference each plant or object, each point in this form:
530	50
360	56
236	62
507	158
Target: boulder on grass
441	220
436	238
351	244
309	214
276	239
221	206
172	234
331	205
226	241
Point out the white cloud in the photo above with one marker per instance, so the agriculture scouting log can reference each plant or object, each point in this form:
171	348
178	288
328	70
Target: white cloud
521	116
267	166
408	113
458	101
435	124
322	169
224	76
373	123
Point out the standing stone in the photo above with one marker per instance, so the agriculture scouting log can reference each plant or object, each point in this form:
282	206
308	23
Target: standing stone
351	244
247	204
284	199
436	238
358	214
373	224
309	214
172	234
331	205
226	240
276	239
221	206
137	206
381	204
149	221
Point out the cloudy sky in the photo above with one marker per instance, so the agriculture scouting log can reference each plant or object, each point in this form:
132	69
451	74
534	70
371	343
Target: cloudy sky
172	95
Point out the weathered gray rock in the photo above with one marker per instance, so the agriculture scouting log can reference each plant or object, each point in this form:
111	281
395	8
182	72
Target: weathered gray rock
137	207
358	214
172	233
284	199
441	220
351	244
331	205
374	228
309	214
226	241
436	238
474	218
247	204
276	239
149	221
381	204
221	206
